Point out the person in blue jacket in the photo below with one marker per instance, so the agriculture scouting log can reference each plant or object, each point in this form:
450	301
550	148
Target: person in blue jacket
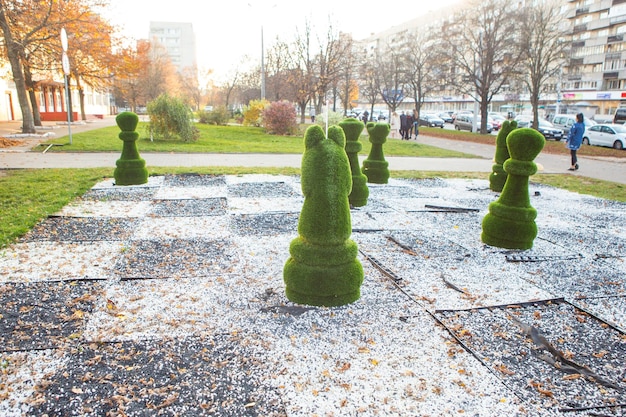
575	139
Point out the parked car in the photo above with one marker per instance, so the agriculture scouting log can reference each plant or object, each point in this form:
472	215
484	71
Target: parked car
465	122
620	116
497	120
566	121
445	116
611	135
547	129
430	120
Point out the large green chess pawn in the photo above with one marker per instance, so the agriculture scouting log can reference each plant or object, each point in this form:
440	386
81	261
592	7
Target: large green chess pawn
131	169
323	269
375	167
498	175
510	222
352	128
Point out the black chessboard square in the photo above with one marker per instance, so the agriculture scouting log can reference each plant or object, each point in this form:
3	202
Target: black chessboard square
189	208
266	224
175	258
194	180
210	376
427	245
43	315
120	194
517	342
82	229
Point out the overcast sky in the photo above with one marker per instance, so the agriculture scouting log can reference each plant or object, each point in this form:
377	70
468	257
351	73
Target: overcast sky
227	30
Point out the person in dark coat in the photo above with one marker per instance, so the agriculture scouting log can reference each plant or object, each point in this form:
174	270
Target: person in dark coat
403	125
409	126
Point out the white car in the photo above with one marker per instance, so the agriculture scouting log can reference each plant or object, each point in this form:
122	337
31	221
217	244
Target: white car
611	135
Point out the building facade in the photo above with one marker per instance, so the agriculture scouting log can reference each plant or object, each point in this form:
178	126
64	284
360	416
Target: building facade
592	76
179	41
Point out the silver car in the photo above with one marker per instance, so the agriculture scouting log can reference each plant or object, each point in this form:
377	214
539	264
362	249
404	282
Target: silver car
611	135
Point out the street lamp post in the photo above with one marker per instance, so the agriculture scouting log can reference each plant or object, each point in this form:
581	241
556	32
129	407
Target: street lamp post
66	72
262	67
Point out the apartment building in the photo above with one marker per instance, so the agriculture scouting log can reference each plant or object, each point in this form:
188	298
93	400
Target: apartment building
179	41
592	77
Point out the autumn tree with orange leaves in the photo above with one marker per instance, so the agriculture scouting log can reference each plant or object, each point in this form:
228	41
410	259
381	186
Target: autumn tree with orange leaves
31	42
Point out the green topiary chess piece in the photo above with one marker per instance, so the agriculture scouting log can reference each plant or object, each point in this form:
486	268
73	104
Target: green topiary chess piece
498	175
510	222
131	169
323	269
375	168
352	128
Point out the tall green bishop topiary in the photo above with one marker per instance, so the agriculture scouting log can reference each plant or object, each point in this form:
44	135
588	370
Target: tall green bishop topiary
510	223
323	269
498	175
352	129
375	167
131	169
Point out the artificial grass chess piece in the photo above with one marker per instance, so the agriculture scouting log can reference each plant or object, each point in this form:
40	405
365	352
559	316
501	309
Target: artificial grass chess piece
498	175
375	168
510	222
131	169
352	128
323	269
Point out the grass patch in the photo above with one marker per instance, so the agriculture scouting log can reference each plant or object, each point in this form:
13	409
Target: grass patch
230	139
29	196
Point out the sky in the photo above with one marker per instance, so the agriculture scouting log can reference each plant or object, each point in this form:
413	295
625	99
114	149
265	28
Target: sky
228	32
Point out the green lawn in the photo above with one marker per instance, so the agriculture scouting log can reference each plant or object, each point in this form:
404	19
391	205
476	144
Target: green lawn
229	139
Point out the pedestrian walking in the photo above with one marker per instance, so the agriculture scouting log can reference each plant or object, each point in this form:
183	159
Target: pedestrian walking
409	126
575	139
395	125
416	123
403	125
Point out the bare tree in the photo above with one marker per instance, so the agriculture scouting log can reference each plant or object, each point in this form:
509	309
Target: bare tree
542	45
421	61
390	76
483	51
302	70
369	81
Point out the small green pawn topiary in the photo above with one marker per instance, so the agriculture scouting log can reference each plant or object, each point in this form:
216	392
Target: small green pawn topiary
375	167
323	269
510	222
352	128
498	176
131	169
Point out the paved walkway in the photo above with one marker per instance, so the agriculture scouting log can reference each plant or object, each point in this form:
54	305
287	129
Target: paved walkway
609	169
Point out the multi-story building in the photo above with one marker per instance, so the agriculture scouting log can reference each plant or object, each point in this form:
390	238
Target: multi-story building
593	71
179	41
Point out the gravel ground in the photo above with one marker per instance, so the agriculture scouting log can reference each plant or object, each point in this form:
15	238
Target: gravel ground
168	299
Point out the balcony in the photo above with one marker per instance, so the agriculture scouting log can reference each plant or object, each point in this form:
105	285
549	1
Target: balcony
582	10
615	38
612	74
582	27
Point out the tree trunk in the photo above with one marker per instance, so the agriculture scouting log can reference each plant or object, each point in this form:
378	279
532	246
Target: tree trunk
30	86
13	52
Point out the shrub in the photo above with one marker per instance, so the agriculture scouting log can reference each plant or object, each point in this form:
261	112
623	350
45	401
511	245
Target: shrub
170	117
279	118
252	112
218	116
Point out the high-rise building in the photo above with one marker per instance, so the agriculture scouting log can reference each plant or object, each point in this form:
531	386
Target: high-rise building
179	41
